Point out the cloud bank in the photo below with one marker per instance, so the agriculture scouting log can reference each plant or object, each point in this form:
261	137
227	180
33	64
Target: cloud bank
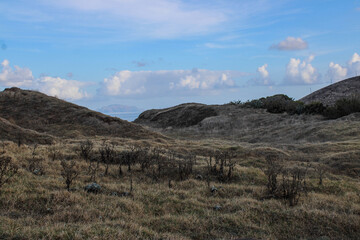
53	86
176	82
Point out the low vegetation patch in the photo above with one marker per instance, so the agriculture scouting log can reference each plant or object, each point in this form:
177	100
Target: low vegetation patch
282	103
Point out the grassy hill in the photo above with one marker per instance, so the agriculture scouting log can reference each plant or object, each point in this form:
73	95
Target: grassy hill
330	94
44	114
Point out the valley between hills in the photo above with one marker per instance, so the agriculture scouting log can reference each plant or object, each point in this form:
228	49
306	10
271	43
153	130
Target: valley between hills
273	168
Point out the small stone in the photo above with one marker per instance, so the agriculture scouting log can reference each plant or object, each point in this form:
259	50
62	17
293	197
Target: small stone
199	177
93	188
217	208
124	194
213	189
114	194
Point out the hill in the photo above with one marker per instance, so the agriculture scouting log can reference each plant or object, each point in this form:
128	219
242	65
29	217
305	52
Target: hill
183	115
234	122
330	94
44	114
12	132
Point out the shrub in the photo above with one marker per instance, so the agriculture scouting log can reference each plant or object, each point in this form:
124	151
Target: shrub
69	172
292	185
272	170
314	108
86	150
107	155
343	107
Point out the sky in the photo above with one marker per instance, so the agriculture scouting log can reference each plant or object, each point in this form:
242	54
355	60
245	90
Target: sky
160	53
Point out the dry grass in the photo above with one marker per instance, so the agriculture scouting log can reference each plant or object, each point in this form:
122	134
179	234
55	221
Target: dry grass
39	207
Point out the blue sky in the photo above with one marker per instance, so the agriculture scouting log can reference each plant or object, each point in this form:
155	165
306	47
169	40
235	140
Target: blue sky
153	54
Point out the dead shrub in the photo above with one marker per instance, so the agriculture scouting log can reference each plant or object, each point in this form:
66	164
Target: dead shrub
69	172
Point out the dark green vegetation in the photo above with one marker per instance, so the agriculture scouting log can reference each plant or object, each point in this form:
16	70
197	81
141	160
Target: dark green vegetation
282	103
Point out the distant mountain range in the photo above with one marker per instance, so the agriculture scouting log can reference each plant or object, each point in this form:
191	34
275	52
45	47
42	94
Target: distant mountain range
118	108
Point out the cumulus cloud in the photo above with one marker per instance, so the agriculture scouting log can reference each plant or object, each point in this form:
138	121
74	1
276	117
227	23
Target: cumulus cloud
62	88
263	71
337	72
262	78
17	76
154	83
53	86
290	44
354	65
301	72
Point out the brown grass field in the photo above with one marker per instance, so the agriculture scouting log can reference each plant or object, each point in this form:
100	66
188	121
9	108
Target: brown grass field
39	206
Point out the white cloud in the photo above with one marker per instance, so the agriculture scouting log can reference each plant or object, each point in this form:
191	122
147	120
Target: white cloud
262	78
301	72
17	76
62	88
53	86
154	83
263	71
354	65
290	44
337	72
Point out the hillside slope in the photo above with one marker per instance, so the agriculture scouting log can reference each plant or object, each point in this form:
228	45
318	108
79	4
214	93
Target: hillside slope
233	122
183	115
39	112
330	94
12	132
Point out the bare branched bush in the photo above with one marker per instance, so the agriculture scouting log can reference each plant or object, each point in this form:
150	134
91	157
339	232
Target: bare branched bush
221	164
86	150
272	170
69	172
107	154
293	184
292	181
321	170
94	165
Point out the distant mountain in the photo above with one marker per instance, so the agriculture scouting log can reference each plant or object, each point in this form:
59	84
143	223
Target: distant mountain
330	94
118	108
49	115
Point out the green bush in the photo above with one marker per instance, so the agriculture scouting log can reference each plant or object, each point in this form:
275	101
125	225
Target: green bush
343	107
281	103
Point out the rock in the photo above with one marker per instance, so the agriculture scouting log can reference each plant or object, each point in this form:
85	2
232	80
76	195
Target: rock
125	194
217	208
114	194
213	189
199	177
93	188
